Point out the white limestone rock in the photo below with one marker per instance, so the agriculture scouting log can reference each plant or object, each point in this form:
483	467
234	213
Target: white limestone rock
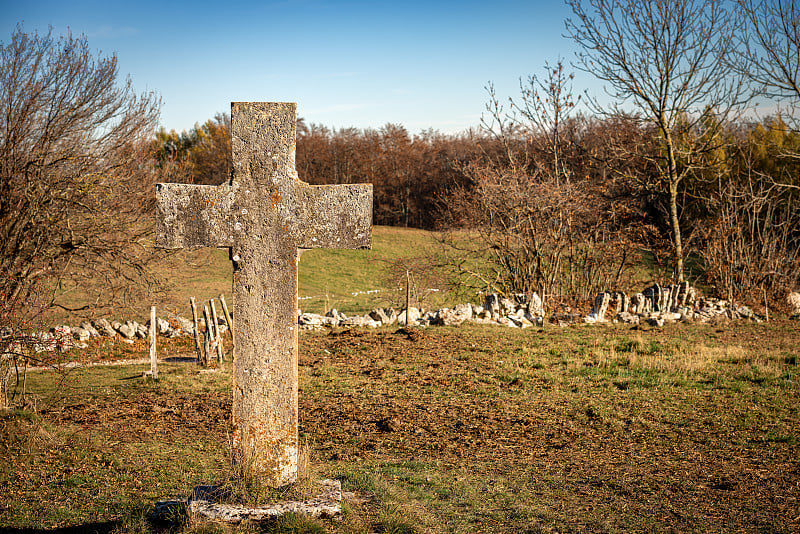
127	330
104	328
628	318
534	306
81	334
380	315
492	305
409	317
793	299
507	306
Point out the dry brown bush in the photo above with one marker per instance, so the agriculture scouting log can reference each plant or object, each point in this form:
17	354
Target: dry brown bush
75	172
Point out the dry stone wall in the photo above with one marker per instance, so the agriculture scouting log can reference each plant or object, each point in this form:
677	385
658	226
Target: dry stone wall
655	305
64	338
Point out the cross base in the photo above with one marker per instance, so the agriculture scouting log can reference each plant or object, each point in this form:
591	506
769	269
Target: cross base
202	506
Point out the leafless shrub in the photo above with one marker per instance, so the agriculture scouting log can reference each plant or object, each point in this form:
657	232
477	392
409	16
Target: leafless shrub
75	171
527	234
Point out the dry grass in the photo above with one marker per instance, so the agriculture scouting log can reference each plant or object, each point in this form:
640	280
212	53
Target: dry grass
475	429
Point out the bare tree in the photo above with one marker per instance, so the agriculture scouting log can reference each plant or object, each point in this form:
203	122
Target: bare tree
545	105
75	171
671	62
771	47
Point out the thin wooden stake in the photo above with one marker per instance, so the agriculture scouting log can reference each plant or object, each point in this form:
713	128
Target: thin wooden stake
229	320
408	296
209	336
153	358
766	304
196	329
206	349
220	349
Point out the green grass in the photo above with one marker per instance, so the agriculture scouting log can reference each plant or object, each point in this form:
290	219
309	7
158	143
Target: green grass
352	281
341	279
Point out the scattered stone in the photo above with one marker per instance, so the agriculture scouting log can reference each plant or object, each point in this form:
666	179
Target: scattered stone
600	307
492	305
669	317
640	304
621	302
60	332
537	320
628	318
185	326
481	314
127	330
392	314
507	306
535	307
743	312
203	505
86	325
793	299
506	321
360	320
81	334
104	328
379	315
453	317
329	321
141	331
657	297
163	327
409	317
311	320
43	342
463	310
520	321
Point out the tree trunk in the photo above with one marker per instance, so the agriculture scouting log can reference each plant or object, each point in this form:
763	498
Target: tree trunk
674	179
676	228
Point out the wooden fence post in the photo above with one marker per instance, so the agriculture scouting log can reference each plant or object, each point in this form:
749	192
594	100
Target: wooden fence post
153	356
196	329
220	349
229	320
209	336
408	296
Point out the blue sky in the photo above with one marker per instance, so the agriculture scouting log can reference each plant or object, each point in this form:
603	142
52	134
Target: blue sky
363	64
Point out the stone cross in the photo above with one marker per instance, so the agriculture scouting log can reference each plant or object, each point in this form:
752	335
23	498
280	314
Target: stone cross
265	216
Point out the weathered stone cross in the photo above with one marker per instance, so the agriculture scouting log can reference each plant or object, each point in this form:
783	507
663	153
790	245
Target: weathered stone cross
264	215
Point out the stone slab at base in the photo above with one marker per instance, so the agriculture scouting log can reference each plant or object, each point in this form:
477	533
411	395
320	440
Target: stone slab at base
201	506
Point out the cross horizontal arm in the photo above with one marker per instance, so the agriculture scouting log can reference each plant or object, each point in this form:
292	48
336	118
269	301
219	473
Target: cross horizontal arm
335	216
195	215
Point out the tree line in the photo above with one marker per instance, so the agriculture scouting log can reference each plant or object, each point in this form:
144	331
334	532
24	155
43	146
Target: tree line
565	209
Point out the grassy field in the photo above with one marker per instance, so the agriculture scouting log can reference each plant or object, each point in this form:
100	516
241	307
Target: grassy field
689	428
352	281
